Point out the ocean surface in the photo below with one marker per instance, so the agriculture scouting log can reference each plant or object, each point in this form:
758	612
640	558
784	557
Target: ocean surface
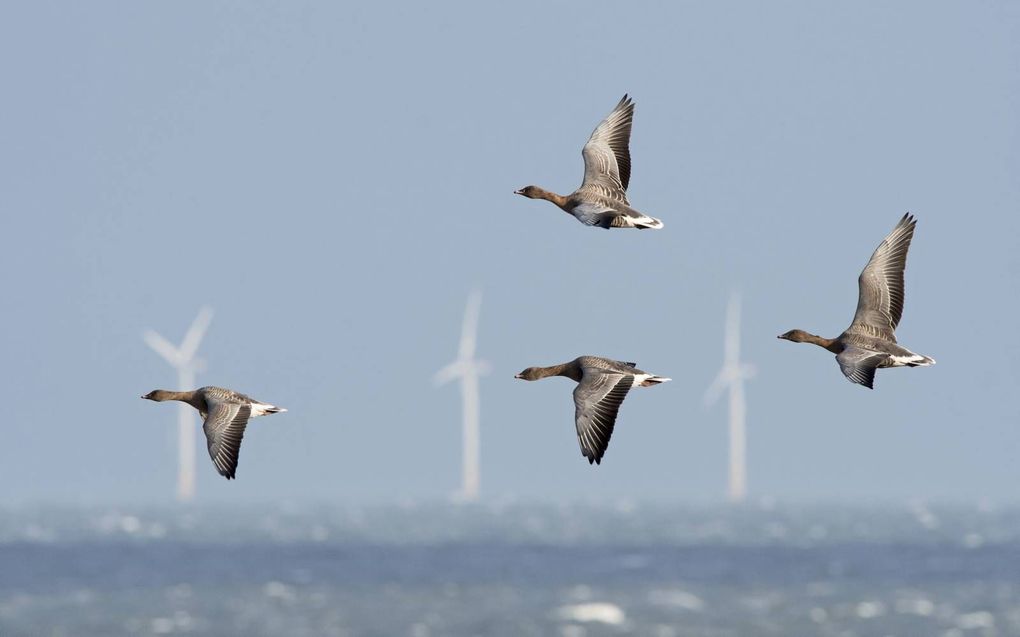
432	569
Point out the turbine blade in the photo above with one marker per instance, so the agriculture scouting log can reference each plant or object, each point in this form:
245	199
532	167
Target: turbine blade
731	346
195	333
163	347
716	388
448	373
469	329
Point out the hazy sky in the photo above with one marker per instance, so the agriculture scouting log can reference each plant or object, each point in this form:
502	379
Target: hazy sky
333	179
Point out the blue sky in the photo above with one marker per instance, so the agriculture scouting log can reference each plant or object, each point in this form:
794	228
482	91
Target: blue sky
333	180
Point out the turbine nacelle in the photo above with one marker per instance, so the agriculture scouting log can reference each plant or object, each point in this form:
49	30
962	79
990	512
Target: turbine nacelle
728	375
182	358
461	369
197	365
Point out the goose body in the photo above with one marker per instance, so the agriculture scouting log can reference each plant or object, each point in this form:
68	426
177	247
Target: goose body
225	413
870	341
601	200
602	384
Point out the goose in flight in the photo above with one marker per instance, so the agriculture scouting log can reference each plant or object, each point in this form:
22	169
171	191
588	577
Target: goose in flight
602	384
602	198
226	413
870	342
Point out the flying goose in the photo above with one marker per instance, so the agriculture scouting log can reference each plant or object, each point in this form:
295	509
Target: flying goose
602	384
226	413
602	198
870	342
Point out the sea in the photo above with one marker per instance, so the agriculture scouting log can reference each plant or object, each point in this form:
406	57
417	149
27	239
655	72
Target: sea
510	568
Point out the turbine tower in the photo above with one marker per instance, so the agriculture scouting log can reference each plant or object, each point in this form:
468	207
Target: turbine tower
732	376
183	360
467	368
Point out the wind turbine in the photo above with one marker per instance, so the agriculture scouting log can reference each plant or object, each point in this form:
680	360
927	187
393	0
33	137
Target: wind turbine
183	360
732	376
467	368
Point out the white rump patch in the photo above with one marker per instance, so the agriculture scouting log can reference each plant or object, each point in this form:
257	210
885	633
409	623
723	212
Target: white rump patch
641	378
914	359
643	221
261	409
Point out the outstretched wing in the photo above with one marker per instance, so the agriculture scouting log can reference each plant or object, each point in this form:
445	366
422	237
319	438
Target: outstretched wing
595	214
224	430
597	400
607	153
880	301
859	365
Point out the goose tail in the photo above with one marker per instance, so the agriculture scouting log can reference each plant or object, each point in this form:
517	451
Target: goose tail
921	361
912	360
648	223
653	380
263	409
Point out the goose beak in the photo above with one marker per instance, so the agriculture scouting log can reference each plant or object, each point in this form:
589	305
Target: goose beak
519	191
517	375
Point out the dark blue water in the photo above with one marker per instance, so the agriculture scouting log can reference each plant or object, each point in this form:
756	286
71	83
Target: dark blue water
512	570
